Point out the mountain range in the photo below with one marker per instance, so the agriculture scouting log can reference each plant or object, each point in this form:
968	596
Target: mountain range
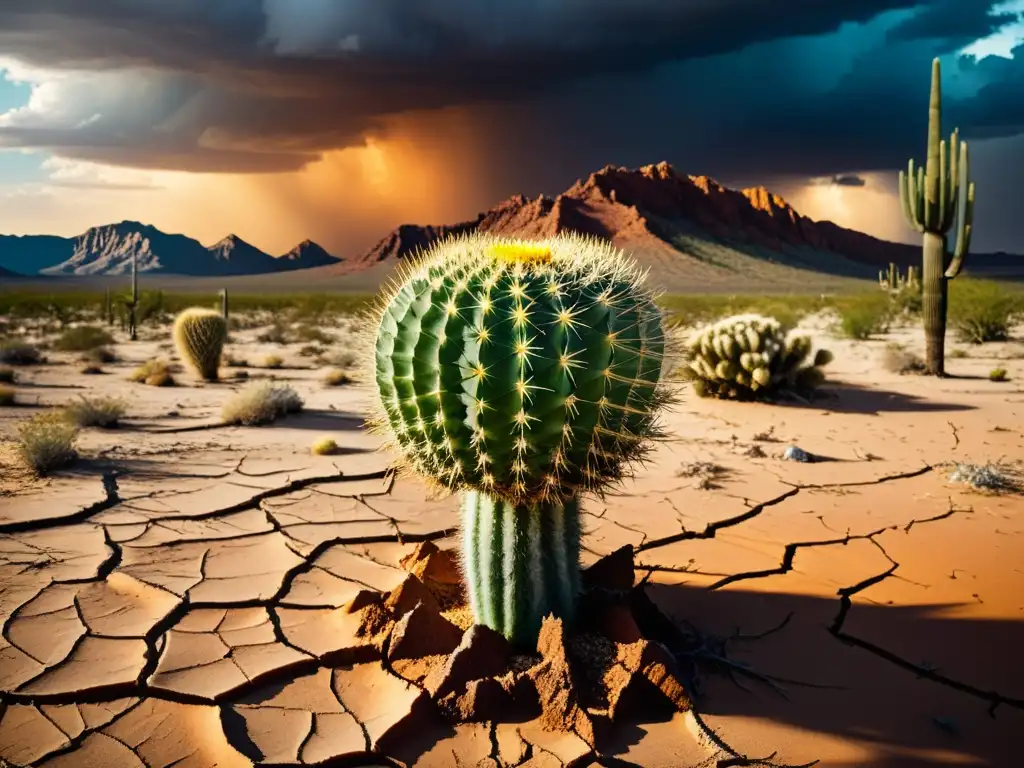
691	232
108	250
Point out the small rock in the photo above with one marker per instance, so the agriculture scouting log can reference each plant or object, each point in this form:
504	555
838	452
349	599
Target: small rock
422	551
642	670
439	568
482	652
794	453
613	572
408	595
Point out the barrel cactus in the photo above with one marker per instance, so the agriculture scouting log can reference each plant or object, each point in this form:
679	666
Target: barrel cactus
749	357
523	374
199	335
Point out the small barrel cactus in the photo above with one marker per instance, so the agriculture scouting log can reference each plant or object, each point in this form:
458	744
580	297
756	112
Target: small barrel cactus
199	335
524	374
748	357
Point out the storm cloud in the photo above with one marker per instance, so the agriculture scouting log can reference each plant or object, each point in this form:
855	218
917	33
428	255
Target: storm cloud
740	89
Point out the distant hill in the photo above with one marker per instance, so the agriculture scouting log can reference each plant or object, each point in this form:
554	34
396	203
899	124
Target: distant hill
108	250
691	231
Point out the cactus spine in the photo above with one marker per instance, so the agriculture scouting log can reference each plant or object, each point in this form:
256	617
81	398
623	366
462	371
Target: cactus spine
199	335
936	199
523	374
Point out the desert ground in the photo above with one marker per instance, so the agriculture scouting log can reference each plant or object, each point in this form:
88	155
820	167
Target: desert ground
194	595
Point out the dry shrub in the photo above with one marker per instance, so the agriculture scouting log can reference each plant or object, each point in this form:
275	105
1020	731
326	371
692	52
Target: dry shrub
273	361
898	359
82	339
261	404
19	353
155	373
337	378
47	442
99	356
103	412
997	375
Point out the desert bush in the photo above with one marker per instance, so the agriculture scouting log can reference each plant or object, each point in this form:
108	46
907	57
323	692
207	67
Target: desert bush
155	373
343	359
82	339
261	404
982	310
898	359
273	361
997	374
313	334
325	446
7	375
6	395
337	378
864	315
993	477
19	353
100	356
199	335
750	357
103	412
278	333
958	353
47	442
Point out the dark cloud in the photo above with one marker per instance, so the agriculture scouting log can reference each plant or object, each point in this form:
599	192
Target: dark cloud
956	22
848	180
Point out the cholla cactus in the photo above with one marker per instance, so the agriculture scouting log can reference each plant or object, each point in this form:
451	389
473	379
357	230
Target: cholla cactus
524	374
749	357
199	335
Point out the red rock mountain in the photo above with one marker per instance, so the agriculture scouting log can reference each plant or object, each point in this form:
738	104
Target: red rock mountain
685	228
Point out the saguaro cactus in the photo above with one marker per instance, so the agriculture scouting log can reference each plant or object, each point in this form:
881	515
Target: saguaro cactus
133	304
936	199
224	303
524	374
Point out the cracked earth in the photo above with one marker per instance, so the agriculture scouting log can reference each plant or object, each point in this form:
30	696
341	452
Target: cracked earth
185	595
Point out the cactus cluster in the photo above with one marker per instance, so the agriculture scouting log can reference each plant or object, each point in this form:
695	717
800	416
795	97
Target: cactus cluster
199	335
749	357
525	374
894	282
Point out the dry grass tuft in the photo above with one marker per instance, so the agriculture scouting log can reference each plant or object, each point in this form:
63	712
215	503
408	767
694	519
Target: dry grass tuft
993	477
998	374
898	359
337	378
102	412
155	373
47	442
273	362
261	404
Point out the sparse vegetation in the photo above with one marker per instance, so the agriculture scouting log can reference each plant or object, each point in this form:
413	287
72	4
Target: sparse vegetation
705	474
100	356
325	446
982	310
82	339
993	477
896	358
6	395
313	334
343	359
864	315
273	362
337	378
997	374
19	353
261	404
46	442
7	374
155	373
277	334
102	412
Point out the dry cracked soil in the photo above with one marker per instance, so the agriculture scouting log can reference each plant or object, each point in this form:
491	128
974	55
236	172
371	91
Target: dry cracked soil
194	596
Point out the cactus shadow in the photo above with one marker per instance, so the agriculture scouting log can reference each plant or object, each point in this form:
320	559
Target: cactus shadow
865	681
852	398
